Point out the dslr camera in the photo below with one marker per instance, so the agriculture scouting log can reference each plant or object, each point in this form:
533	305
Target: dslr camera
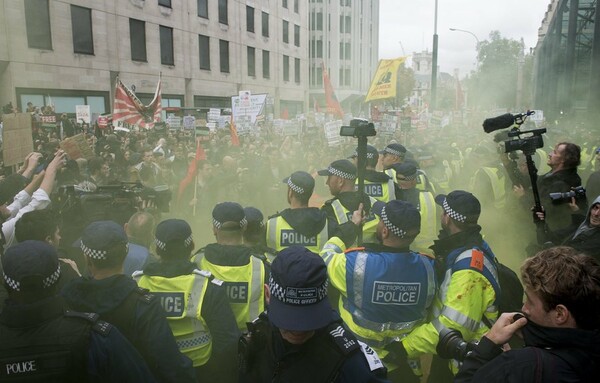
558	198
359	127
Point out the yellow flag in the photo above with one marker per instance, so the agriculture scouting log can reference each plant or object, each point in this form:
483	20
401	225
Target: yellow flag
384	81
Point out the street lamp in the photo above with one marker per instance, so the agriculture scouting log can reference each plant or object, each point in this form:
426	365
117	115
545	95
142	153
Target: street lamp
434	62
469	32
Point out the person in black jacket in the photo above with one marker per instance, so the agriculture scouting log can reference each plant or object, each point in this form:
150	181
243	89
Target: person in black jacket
43	341
560	327
119	301
582	236
300	338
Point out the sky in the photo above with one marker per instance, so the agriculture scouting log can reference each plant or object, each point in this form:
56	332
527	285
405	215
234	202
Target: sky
406	26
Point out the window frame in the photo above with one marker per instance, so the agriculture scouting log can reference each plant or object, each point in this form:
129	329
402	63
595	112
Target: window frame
172	38
202	38
249	19
223	12
135	43
77	45
224	64
204	4
32	21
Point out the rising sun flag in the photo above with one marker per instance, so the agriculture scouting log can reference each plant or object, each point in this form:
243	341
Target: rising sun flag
384	82
129	109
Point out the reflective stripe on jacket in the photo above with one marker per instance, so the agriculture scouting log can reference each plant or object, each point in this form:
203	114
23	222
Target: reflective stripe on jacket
280	235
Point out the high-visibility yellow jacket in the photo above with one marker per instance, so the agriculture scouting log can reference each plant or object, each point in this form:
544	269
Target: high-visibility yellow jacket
244	284
182	299
344	215
280	235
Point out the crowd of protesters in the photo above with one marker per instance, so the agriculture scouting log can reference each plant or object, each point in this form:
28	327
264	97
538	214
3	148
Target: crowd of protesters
168	174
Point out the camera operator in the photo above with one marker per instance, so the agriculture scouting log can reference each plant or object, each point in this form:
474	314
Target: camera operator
560	328
584	236
563	161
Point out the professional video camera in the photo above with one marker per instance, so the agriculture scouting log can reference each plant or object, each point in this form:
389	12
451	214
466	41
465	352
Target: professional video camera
358	128
558	198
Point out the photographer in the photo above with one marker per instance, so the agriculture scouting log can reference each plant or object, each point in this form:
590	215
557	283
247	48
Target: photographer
560	328
582	236
563	160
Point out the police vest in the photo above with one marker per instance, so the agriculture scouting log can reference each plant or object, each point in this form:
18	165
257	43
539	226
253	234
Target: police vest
429	231
381	191
344	215
124	316
56	351
423	182
181	297
281	235
244	285
388	294
497	184
586	159
391	173
481	260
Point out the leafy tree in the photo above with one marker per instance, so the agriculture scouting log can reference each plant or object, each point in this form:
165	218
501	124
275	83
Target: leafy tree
494	83
405	84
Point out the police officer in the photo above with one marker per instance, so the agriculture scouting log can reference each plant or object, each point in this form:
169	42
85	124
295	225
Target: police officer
43	341
377	184
204	328
386	289
406	178
254	235
392	154
299	225
244	273
118	300
488	182
341	176
469	288
300	338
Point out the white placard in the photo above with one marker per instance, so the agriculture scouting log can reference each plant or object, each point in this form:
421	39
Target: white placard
213	114
83	113
332	132
189	122
256	107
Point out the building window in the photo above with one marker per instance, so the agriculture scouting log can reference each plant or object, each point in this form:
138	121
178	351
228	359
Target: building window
249	18
345	24
166	46
224	55
345	53
296	35
284	3
137	40
203	8
265	24
81	21
266	64
286	33
316	48
297	70
165	3
204	49
223	12
286	68
37	20
251	62
347	77
296	8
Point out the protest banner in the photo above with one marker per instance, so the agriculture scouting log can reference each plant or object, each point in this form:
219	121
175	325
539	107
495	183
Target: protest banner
17	142
332	132
77	147
83	114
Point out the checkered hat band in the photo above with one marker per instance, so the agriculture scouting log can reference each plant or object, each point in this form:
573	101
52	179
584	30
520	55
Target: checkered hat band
16	286
409	178
394	152
453	214
218	225
370	155
393	228
340	173
163	246
93	253
298	296
294	187
49	281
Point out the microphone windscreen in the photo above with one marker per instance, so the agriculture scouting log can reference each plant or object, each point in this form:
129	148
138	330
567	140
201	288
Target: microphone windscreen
501	122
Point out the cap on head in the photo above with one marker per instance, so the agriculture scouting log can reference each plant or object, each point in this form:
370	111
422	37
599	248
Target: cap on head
30	266
340	168
300	182
407	169
298	286
372	155
460	205
100	237
254	216
173	234
225	212
395	149
399	217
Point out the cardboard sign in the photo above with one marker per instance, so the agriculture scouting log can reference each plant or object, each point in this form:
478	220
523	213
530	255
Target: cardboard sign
83	113
77	147
16	138
332	133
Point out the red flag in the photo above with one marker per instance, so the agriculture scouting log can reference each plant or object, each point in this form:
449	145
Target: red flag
235	141
191	172
316	106
285	114
128	108
333	105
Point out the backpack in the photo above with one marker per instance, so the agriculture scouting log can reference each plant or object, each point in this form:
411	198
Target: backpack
511	290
